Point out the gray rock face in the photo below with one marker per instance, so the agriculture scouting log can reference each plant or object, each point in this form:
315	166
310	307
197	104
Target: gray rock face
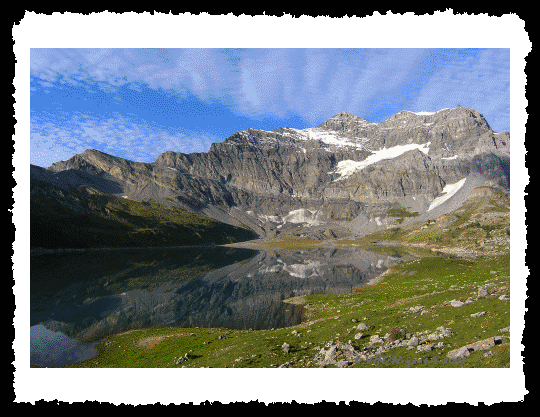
347	169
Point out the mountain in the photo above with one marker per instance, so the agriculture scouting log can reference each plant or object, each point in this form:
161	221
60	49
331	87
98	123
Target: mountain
342	177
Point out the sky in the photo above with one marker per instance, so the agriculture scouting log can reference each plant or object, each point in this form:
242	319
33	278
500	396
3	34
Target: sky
137	103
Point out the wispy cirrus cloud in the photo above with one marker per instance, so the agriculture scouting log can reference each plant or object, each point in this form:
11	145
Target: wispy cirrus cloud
182	99
480	81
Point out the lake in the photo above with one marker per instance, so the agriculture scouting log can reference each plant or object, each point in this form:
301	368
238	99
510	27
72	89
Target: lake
79	298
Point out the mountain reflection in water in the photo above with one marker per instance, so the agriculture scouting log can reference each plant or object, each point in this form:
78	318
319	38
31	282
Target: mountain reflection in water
88	296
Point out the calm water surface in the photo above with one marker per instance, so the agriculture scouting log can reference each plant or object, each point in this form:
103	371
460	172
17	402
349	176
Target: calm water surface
77	299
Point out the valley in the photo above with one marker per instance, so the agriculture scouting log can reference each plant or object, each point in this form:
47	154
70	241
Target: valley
333	246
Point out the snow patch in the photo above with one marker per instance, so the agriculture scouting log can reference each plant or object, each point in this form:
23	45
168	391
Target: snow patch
449	190
307	270
348	167
329	137
312	218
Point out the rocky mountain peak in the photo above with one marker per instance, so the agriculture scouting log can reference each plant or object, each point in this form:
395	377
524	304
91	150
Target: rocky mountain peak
344	122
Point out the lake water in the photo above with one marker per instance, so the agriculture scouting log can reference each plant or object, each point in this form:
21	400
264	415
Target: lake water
77	299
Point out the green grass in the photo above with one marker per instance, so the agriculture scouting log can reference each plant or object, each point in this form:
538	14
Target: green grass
401	212
291	243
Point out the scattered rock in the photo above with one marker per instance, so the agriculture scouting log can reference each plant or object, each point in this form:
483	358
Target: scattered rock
504	297
424	348
362	326
286	347
482	293
184	358
413	341
358	336
343	364
455	303
458	353
480	345
446	333
481	313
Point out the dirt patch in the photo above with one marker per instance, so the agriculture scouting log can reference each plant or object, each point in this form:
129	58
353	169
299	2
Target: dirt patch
298	300
151	341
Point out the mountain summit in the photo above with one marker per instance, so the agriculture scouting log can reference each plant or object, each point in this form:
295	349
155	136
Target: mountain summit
344	174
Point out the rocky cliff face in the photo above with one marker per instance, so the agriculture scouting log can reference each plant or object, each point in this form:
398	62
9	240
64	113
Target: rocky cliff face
341	170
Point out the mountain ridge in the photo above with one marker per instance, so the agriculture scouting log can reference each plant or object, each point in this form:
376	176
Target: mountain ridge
343	168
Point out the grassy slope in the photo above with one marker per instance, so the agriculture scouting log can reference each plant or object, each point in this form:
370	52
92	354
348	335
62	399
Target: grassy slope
481	226
83	218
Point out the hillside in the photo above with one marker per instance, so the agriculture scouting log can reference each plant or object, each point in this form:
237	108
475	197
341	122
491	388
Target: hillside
82	217
479	226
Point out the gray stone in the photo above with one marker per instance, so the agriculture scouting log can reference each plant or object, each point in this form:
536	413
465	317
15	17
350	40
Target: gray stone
343	364
413	341
461	353
424	348
482	293
498	339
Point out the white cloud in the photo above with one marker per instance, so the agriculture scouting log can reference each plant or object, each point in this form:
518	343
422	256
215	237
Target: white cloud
120	136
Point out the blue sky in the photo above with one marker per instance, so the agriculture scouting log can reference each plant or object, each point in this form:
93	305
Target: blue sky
138	103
